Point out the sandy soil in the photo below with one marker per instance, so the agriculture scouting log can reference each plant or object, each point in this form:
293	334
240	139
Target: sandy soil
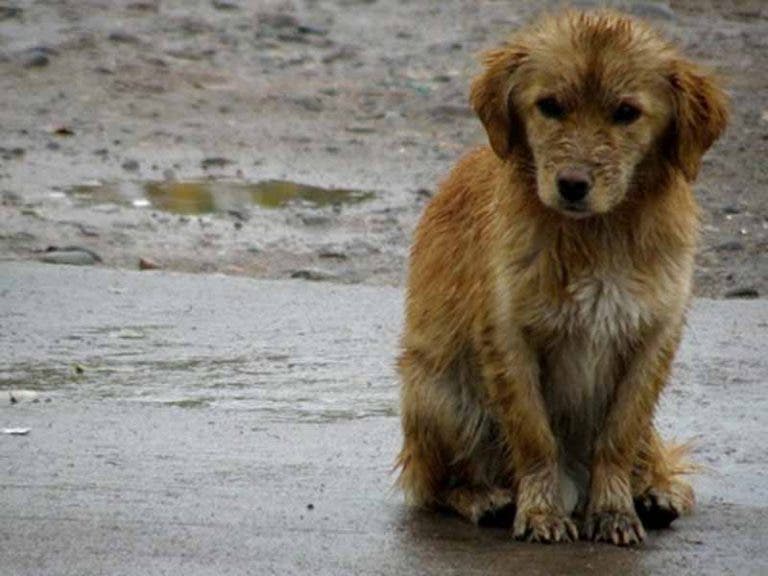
355	93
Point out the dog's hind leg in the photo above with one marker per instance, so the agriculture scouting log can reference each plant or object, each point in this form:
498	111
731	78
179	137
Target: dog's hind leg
659	492
449	449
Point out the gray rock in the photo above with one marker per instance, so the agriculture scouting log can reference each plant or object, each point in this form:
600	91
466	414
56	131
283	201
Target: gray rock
730	246
215	162
224	5
10	12
71	255
746	292
314	274
130	165
315	219
36	58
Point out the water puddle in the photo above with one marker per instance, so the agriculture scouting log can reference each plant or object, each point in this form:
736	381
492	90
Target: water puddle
209	196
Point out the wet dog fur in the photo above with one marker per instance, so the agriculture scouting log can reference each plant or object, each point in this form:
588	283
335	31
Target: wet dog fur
548	284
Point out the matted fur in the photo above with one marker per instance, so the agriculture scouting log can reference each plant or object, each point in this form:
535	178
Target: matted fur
537	340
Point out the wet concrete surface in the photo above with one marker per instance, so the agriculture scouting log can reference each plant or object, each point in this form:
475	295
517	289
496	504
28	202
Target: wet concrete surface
220	425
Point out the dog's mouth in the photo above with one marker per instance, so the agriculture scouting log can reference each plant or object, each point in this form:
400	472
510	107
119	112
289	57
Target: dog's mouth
574	210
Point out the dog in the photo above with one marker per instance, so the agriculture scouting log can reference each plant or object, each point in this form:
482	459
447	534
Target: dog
548	284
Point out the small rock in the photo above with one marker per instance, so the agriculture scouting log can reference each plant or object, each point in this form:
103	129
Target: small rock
130	165
36	58
745	292
278	21
731	209
147	264
63	131
8	198
310	506
224	5
18	396
169	174
314	274
10	12
424	193
122	37
360	129
15	431
53	145
71	255
330	253
12	153
730	246
309	103
314	219
215	162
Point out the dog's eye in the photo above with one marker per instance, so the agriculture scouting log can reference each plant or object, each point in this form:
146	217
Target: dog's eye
626	113
551	108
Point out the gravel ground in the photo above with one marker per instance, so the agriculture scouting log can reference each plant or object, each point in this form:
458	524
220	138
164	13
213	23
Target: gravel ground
360	94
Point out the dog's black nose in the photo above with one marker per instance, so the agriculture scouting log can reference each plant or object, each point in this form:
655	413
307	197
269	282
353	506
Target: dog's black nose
573	184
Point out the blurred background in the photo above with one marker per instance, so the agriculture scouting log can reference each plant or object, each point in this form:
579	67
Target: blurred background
302	138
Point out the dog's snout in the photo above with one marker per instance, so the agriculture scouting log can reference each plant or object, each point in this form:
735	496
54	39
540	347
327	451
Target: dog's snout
573	184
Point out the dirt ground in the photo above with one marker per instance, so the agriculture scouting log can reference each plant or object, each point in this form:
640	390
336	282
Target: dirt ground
360	94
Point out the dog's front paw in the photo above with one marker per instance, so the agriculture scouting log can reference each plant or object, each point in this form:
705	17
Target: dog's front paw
545	527
659	507
620	528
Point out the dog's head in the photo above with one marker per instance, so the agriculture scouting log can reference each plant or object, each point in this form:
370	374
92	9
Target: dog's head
590	102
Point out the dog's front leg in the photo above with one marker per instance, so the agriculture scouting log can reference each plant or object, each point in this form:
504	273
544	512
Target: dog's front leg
512	381
611	515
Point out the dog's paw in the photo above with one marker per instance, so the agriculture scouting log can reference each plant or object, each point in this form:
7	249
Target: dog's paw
658	508
546	527
487	507
620	528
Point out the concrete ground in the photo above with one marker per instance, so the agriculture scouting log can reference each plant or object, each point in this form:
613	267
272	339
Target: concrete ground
185	424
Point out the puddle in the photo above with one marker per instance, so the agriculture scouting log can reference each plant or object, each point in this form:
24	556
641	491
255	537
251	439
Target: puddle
209	196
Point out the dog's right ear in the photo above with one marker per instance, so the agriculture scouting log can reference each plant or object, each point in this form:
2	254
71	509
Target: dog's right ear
490	97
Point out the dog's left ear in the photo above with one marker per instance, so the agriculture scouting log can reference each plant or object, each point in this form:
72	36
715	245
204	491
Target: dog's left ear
700	115
490	97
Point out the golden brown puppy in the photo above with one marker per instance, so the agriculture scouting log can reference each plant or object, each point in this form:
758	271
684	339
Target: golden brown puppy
548	284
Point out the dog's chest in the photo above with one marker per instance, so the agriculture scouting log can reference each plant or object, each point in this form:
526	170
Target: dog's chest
587	338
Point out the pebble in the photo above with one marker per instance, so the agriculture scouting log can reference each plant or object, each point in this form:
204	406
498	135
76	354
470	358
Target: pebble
224	5
730	246
215	162
745	292
17	396
314	274
36	58
330	253
122	37
315	219
15	431
130	165
9	12
147	264
71	255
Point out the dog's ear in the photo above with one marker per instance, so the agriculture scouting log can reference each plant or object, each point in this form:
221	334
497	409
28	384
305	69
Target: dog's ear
490	97
699	117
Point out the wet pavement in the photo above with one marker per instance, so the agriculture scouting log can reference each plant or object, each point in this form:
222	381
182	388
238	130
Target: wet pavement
221	425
